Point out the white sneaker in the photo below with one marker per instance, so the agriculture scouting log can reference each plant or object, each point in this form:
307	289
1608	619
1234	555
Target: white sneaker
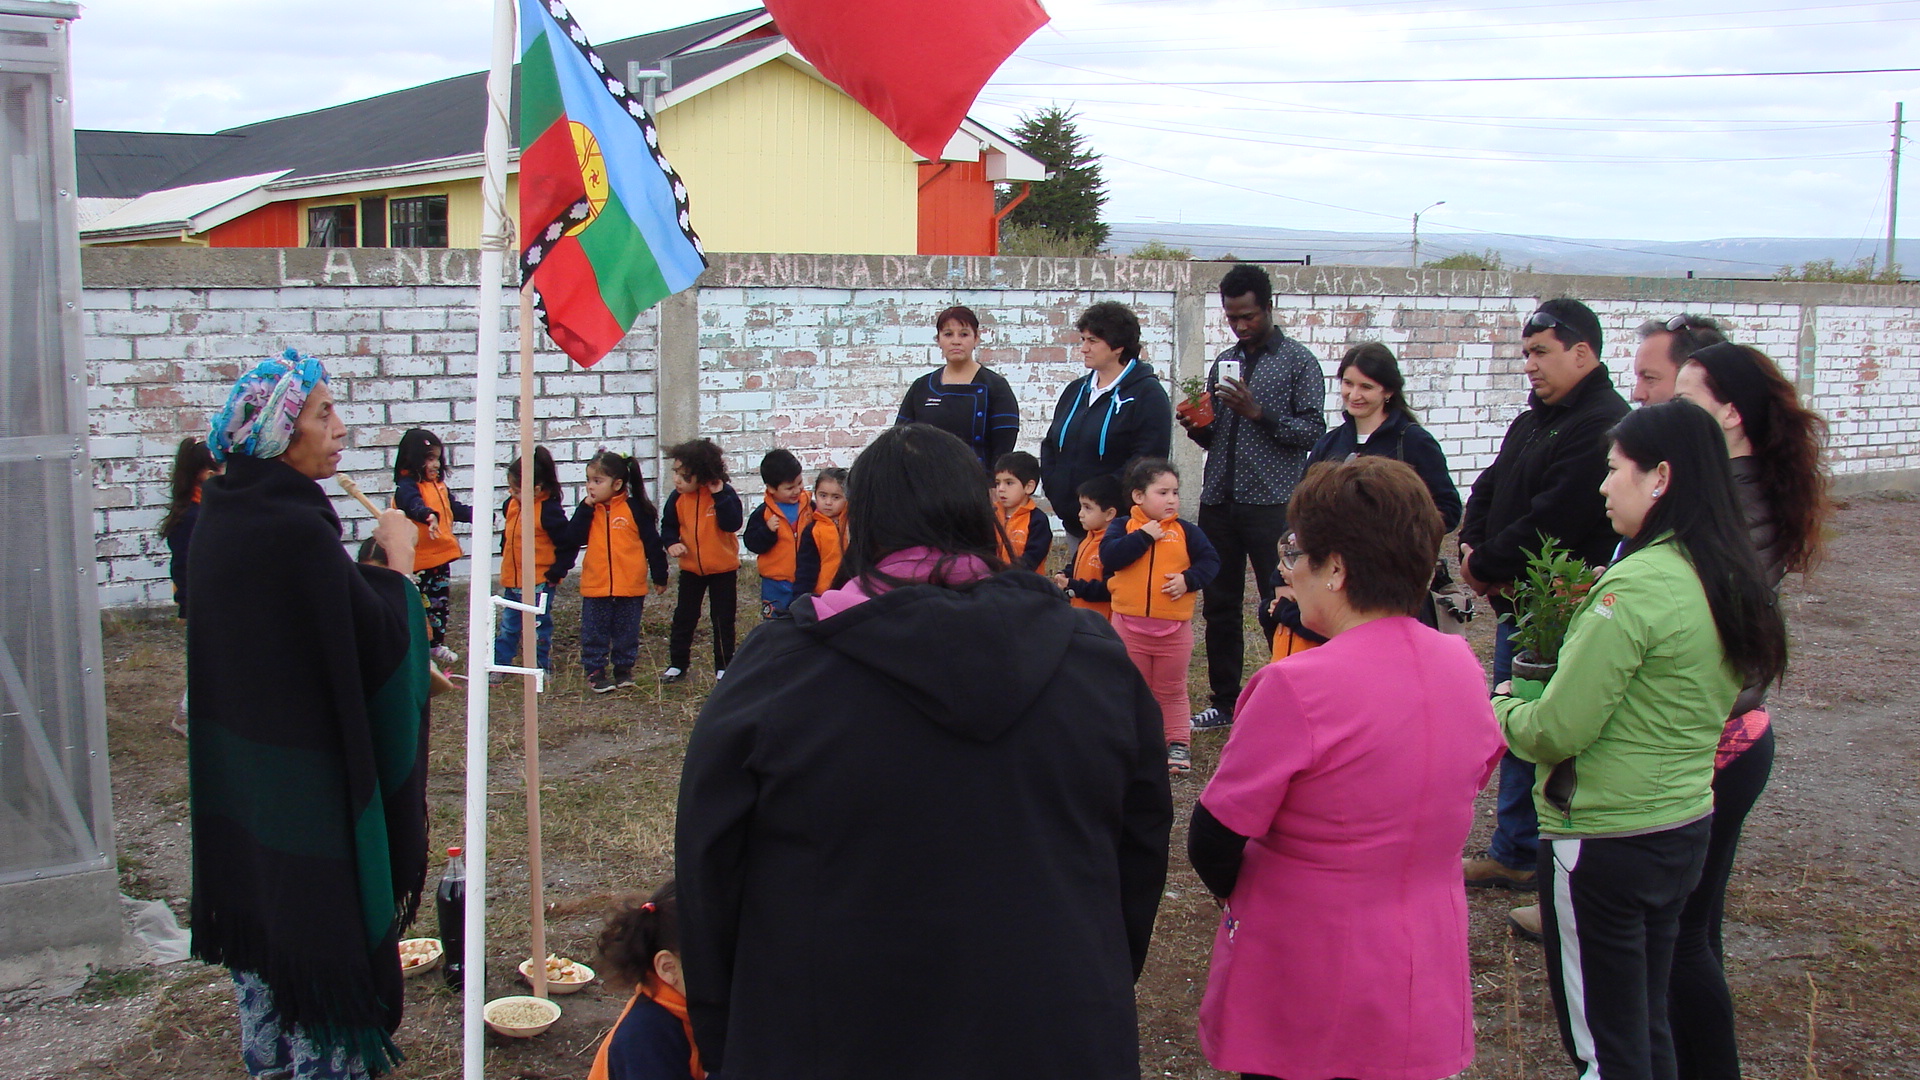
447	657
721	674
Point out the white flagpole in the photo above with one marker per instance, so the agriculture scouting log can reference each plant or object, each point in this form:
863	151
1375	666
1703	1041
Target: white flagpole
493	252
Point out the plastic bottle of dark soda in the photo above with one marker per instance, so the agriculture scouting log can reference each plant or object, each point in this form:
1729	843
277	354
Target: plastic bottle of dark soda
451	904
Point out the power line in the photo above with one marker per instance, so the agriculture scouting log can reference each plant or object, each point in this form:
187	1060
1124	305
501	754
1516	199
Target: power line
1483	119
1495	122
1535	31
1484	78
1467	153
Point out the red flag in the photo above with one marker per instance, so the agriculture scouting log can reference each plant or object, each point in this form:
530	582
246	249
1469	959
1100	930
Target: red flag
917	65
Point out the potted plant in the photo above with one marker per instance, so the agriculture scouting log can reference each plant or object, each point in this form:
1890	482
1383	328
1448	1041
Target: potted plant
1196	406
1544	599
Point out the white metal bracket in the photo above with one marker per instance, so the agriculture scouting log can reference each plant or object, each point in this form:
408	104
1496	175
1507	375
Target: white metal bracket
536	609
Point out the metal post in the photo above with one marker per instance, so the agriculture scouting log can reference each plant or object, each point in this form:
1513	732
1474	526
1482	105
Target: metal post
1893	188
1416	232
494	241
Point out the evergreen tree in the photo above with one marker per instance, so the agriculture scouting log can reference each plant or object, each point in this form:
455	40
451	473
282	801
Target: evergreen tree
1067	206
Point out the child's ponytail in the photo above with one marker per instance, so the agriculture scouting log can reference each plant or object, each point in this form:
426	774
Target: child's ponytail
626	470
636	930
546	476
190	459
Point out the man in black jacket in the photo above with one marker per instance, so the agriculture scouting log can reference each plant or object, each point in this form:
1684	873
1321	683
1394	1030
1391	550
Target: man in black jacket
1545	481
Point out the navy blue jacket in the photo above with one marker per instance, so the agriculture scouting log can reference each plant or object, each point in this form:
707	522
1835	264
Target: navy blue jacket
650	1044
1403	440
1133	420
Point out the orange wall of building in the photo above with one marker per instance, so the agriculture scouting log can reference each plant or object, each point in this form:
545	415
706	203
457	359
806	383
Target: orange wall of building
956	209
273	225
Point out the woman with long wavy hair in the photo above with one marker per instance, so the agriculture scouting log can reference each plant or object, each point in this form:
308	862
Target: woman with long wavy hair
1776	446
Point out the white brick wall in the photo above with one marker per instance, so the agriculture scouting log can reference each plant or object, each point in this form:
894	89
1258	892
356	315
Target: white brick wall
813	353
160	363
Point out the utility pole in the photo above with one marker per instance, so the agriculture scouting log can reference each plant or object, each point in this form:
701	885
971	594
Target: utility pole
1416	232
1893	183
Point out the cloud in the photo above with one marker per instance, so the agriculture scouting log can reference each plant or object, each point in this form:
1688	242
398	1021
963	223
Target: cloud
1680	159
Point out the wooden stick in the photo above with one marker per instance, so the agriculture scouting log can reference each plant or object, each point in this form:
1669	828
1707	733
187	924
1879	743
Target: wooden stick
529	639
437	680
347	485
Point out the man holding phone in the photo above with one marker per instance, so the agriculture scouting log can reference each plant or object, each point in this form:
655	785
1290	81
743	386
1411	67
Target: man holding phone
1269	397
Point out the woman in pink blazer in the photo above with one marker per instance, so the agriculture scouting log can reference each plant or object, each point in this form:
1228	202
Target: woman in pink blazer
1331	832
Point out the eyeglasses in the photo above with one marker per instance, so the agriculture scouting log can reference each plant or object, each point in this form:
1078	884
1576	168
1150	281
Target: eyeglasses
1290	552
1679	323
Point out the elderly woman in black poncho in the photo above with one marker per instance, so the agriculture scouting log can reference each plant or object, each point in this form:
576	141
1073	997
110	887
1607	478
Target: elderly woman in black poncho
307	681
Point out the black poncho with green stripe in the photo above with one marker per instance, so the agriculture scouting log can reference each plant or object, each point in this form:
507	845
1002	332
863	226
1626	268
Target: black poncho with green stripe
307	690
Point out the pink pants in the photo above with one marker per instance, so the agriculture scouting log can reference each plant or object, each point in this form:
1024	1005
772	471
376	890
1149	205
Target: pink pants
1162	649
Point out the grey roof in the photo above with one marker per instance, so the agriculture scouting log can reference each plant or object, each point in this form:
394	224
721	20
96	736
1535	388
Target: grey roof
126	164
423	123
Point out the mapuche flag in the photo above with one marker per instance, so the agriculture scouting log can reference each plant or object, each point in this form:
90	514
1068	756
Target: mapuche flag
917	65
604	228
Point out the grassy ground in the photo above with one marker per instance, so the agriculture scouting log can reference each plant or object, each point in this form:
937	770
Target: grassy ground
1824	923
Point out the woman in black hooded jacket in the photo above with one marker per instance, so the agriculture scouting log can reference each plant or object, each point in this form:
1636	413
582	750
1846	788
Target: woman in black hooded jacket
1115	414
923	823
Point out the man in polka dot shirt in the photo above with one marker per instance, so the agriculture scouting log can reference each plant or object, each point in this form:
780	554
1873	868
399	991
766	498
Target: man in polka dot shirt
1264	423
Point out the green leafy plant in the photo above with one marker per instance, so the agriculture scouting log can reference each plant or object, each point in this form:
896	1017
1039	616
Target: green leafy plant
1191	388
1544	598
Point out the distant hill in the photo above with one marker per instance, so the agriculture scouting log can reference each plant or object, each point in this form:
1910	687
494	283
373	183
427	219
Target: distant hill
1753	257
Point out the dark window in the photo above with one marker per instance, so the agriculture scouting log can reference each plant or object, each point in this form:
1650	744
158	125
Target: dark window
373	222
330	226
419	223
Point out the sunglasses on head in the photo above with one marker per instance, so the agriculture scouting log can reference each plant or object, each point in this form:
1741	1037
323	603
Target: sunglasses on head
1542	321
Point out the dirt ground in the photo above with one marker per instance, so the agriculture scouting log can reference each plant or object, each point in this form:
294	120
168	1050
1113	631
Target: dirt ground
1823	929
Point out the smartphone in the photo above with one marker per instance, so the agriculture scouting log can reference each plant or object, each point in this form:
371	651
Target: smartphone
1229	369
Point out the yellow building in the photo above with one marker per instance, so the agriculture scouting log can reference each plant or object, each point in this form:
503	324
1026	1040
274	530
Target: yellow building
775	158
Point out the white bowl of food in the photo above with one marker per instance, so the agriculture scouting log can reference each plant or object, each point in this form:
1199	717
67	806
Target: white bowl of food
419	955
564	976
520	1016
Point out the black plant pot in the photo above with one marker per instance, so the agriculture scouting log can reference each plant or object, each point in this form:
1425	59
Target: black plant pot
1528	668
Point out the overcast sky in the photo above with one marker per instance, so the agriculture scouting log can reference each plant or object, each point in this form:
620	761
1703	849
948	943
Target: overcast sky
1675	159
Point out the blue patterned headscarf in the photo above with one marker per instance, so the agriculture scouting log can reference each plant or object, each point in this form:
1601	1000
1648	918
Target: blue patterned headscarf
257	420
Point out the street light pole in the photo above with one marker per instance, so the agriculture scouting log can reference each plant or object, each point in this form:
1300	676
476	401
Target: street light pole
1416	232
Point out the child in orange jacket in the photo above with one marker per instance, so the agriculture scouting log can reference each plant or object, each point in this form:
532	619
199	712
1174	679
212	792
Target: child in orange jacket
1156	562
614	528
773	531
552	557
1086	585
420	491
1029	535
700	525
825	538
653	1039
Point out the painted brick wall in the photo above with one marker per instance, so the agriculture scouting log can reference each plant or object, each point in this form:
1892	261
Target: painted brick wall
813	353
822	371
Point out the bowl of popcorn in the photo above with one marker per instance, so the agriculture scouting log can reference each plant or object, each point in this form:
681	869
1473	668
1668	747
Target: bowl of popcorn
520	1016
564	976
420	954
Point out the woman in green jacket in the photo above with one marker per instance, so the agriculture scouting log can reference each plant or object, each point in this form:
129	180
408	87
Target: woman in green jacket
1623	737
